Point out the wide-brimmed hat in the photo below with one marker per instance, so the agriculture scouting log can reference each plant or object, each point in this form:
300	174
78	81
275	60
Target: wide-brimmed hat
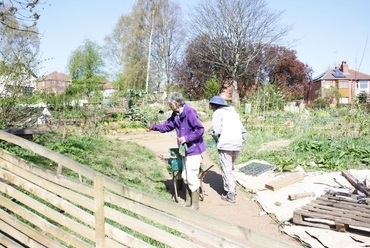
218	101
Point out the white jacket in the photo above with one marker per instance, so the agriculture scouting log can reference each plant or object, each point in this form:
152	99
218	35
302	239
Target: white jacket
227	129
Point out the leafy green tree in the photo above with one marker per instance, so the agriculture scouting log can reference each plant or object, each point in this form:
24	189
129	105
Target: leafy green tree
268	97
362	97
86	69
212	88
86	61
327	96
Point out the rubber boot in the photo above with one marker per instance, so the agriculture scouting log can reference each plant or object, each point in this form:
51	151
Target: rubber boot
195	200
188	196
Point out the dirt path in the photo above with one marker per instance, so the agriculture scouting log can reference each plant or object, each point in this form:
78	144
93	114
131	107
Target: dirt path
245	212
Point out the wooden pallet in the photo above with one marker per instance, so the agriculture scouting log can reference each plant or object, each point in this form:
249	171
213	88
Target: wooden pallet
333	212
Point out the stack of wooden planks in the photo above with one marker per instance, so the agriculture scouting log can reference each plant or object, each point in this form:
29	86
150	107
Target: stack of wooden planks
335	212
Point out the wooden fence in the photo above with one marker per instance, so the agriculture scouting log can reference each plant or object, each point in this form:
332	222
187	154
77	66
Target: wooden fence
42	208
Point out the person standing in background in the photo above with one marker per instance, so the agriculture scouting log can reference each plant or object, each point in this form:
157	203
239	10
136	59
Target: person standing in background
229	133
189	129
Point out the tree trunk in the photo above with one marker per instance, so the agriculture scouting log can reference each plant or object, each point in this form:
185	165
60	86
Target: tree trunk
150	46
235	94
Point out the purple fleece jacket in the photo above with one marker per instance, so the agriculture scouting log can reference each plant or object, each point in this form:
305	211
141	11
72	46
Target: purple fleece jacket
186	124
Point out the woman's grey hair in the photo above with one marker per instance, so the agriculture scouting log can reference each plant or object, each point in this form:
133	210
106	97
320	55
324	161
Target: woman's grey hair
176	97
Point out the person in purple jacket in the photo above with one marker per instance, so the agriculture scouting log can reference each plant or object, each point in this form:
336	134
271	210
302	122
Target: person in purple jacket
189	130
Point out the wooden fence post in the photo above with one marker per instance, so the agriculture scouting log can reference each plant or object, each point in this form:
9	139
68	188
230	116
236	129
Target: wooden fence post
99	211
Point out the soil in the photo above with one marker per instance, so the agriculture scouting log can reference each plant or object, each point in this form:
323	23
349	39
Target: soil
245	212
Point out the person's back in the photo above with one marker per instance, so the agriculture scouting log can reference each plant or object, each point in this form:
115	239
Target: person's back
231	135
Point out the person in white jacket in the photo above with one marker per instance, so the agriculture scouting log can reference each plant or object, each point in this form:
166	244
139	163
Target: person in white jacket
229	134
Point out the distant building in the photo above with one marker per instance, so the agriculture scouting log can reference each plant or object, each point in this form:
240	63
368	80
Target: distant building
15	86
108	89
54	82
349	83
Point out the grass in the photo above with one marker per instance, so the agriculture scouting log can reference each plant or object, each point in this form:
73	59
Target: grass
317	140
124	161
325	140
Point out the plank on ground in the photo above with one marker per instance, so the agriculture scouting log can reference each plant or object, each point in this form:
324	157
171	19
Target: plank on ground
285	181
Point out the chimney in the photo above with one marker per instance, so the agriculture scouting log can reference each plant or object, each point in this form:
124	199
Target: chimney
344	67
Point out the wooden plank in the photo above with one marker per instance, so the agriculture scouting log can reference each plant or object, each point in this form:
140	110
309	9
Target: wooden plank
227	229
192	231
350	207
53	199
23	131
148	230
338	199
50	154
293	197
32	234
355	183
112	243
21	237
115	235
300	217
99	211
49	213
7	242
76	198
357	215
16	165
285	181
352	222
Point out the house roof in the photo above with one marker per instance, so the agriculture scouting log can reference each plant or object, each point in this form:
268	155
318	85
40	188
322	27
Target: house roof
57	76
108	85
351	75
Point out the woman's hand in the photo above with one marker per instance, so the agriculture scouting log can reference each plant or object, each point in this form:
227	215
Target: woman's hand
182	139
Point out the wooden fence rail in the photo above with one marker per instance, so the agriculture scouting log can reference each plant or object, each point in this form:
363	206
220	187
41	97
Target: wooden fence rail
43	208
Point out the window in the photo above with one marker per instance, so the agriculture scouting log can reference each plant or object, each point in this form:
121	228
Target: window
343	100
343	85
360	84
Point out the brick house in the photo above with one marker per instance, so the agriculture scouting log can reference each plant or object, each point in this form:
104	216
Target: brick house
54	82
349	82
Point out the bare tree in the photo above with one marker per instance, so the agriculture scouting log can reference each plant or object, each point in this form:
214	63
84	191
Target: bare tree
18	65
17	12
238	32
167	41
149	35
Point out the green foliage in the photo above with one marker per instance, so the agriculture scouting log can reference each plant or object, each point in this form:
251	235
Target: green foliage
362	97
134	96
86	61
268	97
324	139
19	49
326	96
332	154
126	162
211	88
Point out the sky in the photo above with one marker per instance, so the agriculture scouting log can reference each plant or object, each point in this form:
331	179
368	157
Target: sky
324	33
